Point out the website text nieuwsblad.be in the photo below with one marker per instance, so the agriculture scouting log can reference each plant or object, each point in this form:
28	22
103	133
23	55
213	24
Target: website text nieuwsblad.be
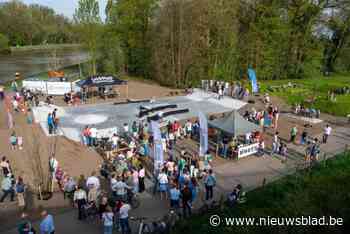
216	220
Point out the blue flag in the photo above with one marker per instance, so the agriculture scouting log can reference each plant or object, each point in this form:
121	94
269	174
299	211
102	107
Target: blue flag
203	133
253	80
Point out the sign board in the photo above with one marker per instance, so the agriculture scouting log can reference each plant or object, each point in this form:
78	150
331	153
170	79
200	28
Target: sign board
58	88
102	79
247	150
107	132
35	85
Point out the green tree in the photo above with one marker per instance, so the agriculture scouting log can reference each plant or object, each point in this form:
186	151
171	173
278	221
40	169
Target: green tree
131	20
88	18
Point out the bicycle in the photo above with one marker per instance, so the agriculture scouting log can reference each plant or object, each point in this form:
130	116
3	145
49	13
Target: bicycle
133	200
143	228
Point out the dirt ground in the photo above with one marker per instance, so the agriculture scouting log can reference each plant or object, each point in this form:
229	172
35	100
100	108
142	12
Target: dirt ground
73	157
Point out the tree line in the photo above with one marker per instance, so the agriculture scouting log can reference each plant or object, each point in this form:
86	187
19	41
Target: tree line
33	24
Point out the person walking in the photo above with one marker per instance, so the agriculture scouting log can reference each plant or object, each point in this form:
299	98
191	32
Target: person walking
7	188
107	218
326	133
80	199
209	183
47	225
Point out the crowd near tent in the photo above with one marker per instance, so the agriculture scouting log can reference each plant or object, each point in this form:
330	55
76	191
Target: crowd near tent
103	84
234	124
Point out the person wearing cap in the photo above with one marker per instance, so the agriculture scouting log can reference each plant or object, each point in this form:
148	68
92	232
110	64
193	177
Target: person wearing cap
7	188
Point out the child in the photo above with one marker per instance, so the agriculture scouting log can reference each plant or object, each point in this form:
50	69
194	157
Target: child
20	142
13	141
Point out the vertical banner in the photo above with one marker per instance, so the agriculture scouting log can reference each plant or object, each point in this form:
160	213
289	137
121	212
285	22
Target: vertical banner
253	80
203	133
158	146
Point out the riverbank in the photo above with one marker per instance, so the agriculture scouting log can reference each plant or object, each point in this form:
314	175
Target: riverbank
44	47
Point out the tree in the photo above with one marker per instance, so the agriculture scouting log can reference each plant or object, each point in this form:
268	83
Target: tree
130	19
87	16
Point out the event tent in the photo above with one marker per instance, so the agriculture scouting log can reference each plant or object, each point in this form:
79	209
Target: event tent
100	81
234	124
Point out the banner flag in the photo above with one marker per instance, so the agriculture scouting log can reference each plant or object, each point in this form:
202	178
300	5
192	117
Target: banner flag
253	80
158	146
203	123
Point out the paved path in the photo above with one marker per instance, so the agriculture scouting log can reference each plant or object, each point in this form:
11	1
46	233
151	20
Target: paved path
250	172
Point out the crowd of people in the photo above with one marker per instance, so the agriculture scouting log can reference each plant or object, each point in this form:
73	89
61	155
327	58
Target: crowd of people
10	185
235	89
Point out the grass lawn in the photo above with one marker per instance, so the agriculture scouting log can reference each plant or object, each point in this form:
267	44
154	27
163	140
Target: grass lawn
323	191
316	87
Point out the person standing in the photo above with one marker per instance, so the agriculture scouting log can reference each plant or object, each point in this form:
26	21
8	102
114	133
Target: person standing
107	218
275	143
163	184
80	199
50	123
124	218
326	133
47	225
20	190
303	138
186	196
5	166
141	179
293	134
174	197
210	183
93	136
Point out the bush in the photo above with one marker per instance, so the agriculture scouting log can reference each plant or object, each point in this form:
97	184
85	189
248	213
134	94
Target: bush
4	43
323	191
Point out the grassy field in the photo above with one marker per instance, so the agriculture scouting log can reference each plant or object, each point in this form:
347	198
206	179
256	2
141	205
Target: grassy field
317	87
323	191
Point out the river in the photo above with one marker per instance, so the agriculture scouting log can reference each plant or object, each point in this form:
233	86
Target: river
30	63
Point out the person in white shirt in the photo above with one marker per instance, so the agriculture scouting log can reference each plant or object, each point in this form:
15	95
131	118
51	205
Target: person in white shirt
163	184
188	128
326	133
113	183
53	164
80	199
124	218
93	135
93	181
114	140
